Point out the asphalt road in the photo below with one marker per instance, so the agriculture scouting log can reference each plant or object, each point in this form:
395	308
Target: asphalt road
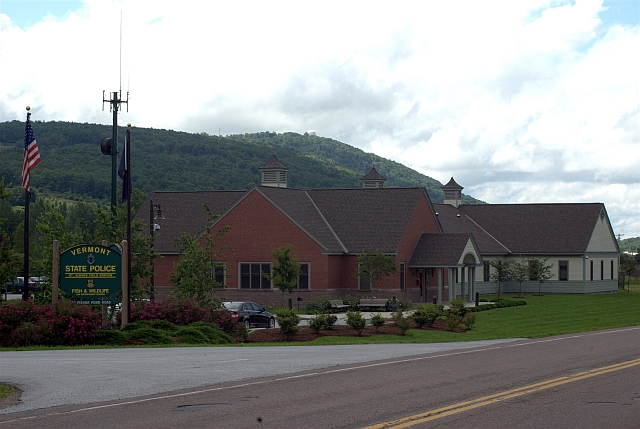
583	380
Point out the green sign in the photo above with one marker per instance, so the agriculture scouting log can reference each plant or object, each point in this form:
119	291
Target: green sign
92	274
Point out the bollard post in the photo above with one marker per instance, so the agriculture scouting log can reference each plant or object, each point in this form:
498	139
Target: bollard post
477	298
435	299
290	304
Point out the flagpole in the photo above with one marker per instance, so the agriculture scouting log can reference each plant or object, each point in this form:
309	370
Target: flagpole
27	198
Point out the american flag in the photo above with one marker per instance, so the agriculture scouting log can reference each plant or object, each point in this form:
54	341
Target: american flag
31	156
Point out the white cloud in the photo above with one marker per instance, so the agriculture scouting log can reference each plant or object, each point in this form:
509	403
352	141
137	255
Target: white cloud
520	101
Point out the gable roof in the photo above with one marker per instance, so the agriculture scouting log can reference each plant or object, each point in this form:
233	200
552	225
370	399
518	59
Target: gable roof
455	221
340	220
530	228
184	212
368	220
439	250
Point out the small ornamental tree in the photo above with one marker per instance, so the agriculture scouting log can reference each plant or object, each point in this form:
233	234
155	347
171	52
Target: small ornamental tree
284	270
501	273
520	273
540	271
375	266
194	273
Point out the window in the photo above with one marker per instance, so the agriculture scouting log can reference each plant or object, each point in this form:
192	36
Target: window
601	270
303	277
402	285
591	270
486	276
563	271
363	282
612	269
251	276
219	275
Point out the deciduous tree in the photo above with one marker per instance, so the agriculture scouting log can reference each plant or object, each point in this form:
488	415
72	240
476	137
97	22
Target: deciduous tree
375	266
284	270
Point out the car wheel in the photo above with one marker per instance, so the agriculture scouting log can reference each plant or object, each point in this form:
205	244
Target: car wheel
247	324
272	323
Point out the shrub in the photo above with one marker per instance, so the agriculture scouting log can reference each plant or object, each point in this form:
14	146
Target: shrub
469	320
181	312
356	321
401	321
288	321
453	321
109	338
425	314
146	335
331	320
62	324
191	335
457	308
378	321
318	323
319	306
242	332
500	304
213	333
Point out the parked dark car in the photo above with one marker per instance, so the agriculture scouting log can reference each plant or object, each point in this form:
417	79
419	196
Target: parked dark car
251	314
17	285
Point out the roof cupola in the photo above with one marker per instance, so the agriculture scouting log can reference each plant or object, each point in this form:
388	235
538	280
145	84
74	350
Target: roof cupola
274	173
452	193
373	179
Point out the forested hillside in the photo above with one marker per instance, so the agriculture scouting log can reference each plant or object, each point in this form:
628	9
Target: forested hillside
73	166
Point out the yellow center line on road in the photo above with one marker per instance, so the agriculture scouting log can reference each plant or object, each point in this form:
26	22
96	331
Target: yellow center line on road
497	397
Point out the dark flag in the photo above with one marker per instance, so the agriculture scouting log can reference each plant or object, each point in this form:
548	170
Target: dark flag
124	171
31	156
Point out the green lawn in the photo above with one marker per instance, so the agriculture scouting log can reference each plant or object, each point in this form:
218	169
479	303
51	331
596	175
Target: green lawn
542	316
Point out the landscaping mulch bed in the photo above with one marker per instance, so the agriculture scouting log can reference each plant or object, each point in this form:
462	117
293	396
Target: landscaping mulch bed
306	334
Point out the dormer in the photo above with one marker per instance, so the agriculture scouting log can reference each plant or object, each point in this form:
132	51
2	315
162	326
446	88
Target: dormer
274	173
373	179
452	193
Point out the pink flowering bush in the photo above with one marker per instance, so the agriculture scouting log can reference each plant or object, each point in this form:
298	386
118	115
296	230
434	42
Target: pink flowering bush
181	312
61	324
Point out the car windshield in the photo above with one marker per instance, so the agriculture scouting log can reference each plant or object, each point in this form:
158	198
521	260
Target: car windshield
234	306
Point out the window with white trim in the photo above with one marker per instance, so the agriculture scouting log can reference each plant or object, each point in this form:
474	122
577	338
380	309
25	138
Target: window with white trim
303	277
563	271
252	275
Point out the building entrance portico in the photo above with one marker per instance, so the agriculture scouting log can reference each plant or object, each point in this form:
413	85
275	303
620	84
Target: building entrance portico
454	258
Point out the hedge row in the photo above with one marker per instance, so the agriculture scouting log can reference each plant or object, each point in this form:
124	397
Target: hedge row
498	304
61	324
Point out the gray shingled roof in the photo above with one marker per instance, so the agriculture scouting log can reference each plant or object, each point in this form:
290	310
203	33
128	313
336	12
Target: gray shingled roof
184	212
455	221
274	163
435	250
368	220
529	228
373	175
452	185
298	205
341	220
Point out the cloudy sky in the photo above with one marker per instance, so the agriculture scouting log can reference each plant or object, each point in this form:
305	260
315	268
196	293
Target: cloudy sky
520	101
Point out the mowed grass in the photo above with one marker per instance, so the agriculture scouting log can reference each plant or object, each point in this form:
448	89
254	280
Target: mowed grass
542	316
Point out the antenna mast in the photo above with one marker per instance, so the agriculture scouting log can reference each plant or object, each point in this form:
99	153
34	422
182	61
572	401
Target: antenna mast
114	105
